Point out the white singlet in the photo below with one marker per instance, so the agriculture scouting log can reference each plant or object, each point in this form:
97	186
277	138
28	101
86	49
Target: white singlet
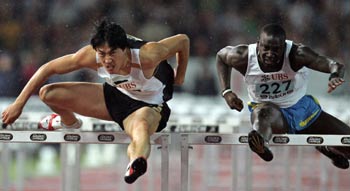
135	85
284	87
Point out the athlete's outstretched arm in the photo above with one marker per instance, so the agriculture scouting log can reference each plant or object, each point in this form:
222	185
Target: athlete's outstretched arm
311	59
83	58
226	59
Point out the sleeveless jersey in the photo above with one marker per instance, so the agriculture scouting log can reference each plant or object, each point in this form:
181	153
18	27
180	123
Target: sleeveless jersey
284	87
155	90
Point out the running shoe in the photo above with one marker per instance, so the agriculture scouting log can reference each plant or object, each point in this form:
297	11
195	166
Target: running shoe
257	144
53	122
135	169
337	160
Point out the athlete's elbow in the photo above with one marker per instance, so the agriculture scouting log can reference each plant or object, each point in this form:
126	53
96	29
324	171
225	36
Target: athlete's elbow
183	37
221	54
184	40
47	69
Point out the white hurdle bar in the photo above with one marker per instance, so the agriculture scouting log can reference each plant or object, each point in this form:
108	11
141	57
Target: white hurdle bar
188	139
76	138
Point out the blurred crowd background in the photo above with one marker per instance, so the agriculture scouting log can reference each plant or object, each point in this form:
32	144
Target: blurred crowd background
33	32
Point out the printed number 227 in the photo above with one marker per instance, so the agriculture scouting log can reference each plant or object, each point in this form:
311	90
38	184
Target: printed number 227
275	87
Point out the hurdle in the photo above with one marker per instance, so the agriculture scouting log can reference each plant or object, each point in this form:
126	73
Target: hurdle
71	141
190	139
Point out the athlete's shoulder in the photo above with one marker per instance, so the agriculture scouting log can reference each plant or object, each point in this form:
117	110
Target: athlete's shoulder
233	52
300	49
301	55
239	49
301	52
86	56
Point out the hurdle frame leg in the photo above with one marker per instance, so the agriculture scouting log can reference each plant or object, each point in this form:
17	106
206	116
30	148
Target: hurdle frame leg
184	162
165	163
234	167
70	166
249	170
20	165
5	162
298	184
286	177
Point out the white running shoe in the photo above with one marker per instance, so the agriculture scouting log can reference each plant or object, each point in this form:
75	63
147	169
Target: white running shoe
53	122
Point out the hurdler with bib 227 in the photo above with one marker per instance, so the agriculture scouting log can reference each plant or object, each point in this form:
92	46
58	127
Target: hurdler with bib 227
276	73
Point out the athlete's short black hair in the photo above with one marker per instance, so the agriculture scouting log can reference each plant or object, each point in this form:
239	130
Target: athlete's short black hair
274	30
109	32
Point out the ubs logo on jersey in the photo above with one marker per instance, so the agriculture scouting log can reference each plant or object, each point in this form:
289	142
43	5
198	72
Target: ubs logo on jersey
266	78
127	85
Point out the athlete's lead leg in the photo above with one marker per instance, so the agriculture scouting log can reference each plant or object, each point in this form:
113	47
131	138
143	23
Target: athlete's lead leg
68	98
266	120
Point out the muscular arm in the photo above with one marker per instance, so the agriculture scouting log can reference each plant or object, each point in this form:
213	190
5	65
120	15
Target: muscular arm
226	59
305	56
155	52
84	58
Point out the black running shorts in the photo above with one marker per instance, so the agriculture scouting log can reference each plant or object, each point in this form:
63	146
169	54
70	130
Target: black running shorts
120	106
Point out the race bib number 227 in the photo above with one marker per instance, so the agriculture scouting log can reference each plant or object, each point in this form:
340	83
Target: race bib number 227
273	88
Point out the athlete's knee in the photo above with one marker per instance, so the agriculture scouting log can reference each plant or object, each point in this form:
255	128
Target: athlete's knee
268	119
45	92
140	126
267	111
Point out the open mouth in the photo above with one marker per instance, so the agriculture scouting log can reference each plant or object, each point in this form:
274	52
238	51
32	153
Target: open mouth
269	62
109	68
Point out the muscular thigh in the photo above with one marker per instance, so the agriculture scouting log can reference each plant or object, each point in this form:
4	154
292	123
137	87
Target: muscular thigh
80	97
144	116
327	124
268	114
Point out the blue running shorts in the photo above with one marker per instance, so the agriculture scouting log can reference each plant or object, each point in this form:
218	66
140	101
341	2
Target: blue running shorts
301	115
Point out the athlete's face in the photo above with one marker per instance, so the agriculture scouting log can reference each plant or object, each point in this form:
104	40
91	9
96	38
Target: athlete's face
114	60
270	50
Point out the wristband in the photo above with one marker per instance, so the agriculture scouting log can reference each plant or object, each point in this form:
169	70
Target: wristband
333	75
225	92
